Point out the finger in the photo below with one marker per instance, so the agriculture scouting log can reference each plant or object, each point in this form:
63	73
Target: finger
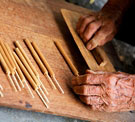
102	36
88	79
85	23
80	21
88	90
91	100
91	29
92	44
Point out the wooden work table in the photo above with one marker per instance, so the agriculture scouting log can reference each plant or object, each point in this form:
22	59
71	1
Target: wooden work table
42	21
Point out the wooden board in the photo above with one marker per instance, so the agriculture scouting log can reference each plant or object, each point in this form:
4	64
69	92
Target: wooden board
71	19
17	21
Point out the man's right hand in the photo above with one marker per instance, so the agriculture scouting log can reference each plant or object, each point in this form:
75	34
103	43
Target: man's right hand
98	28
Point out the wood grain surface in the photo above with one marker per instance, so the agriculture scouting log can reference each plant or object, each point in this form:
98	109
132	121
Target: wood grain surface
41	21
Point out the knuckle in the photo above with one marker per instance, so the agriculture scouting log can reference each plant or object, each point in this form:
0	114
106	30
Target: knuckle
86	20
103	32
86	79
107	29
92	25
87	100
100	34
112	79
84	89
82	17
101	42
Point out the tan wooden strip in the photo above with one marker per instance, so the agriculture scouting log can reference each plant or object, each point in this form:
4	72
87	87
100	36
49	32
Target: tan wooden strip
67	59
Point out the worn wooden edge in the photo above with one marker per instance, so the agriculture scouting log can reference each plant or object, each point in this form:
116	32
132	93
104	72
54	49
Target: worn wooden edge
47	112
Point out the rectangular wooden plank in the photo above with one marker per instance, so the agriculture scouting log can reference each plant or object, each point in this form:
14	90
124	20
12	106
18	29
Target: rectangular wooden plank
63	105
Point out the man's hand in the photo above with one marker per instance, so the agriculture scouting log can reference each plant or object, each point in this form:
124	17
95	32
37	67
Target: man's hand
105	91
98	28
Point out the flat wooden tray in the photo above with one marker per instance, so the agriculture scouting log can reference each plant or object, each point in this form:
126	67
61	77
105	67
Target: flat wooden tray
33	20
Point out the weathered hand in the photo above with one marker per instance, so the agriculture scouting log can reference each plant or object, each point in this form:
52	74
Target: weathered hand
106	91
98	28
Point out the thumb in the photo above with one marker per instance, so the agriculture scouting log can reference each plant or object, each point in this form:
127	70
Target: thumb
92	44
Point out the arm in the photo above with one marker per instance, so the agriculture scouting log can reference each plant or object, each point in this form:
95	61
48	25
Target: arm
119	4
98	28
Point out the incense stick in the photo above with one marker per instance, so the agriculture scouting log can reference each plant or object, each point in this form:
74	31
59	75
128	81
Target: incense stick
30	64
52	74
17	70
67	59
42	67
31	81
26	57
4	62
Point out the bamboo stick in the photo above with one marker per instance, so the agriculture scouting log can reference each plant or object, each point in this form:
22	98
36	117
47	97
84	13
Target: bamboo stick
11	81
1	94
1	87
16	82
4	65
10	63
42	99
17	71
4	62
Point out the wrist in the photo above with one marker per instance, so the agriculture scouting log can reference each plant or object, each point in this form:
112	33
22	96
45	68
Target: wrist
117	6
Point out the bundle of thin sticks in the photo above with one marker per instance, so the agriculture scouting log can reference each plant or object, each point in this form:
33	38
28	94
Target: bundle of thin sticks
30	73
17	65
43	64
9	66
1	89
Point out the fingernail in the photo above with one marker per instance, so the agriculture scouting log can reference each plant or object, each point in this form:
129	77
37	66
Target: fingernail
88	46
